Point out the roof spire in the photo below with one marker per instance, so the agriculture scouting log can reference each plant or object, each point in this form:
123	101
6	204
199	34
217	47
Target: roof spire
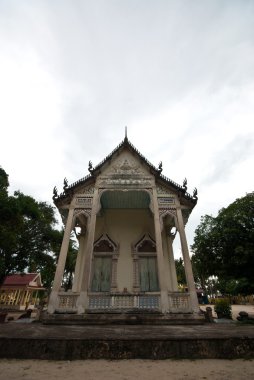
126	138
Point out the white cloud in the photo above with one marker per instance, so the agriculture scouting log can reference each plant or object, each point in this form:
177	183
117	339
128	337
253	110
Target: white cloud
179	74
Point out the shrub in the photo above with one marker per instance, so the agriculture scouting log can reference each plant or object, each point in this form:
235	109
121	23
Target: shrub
223	308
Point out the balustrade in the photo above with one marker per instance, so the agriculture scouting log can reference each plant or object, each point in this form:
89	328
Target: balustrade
124	301
179	302
67	302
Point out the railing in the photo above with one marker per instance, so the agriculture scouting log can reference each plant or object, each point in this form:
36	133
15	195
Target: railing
179	302
124	301
67	302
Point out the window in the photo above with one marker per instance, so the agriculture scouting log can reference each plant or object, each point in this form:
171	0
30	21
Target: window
148	274
101	281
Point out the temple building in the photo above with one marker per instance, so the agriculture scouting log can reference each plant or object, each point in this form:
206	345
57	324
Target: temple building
21	291
126	214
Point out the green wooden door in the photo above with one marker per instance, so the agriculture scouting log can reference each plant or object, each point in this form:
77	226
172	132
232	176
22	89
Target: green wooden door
101	274
148	274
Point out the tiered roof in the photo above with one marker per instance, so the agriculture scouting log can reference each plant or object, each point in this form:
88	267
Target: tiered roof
94	172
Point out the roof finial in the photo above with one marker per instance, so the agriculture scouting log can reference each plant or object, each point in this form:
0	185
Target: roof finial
126	138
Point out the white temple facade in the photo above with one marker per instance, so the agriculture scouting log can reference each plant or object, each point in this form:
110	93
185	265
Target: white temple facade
126	212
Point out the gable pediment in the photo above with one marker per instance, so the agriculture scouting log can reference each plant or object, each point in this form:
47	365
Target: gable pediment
124	168
125	164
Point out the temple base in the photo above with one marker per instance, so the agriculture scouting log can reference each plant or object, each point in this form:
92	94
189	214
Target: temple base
123	318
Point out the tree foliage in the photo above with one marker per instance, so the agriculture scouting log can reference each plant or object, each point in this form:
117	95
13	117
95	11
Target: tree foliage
224	246
180	272
27	234
70	259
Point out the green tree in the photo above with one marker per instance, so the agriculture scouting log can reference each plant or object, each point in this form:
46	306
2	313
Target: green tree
27	233
70	259
224	246
180	272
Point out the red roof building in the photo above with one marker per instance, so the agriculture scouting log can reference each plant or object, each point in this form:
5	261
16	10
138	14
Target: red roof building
20	291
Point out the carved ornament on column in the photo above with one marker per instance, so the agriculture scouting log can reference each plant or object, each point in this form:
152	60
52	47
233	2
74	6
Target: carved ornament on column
166	211
84	211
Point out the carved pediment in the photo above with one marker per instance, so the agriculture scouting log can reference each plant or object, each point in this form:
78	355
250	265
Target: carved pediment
126	167
162	190
125	171
145	244
105	244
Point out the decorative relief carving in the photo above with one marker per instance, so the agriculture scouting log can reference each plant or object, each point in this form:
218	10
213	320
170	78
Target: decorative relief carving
105	244
145	244
163	190
125	182
85	211
77	211
126	166
165	201
88	211
84	202
125	173
167	210
163	212
89	190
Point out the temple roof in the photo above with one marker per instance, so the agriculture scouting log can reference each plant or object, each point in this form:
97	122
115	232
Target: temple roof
23	279
95	171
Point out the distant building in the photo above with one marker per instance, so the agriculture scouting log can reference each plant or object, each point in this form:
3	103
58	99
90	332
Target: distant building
20	291
127	214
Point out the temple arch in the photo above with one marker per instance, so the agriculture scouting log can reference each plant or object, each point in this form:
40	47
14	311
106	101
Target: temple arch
145	268
104	265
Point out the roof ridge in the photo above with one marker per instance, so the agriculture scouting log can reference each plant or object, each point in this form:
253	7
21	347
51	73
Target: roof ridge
125	142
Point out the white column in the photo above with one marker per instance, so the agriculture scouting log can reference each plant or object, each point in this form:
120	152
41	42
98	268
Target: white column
160	258
82	302
187	263
172	264
53	300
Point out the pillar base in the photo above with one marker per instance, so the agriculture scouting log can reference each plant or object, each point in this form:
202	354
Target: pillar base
53	302
194	302
82	302
164	301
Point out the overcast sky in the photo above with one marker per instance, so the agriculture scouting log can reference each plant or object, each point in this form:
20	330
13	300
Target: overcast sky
179	74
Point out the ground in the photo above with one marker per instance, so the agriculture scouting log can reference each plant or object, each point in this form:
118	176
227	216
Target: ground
131	369
235	309
127	369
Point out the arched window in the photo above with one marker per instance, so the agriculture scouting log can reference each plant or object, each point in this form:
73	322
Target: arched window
145	257
104	265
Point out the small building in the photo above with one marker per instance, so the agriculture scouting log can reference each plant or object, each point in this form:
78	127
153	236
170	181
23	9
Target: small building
126	214
20	291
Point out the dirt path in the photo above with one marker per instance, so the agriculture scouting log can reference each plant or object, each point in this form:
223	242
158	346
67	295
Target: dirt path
127	370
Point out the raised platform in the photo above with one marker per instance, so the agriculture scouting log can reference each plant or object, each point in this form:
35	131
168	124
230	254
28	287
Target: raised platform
37	341
122	318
